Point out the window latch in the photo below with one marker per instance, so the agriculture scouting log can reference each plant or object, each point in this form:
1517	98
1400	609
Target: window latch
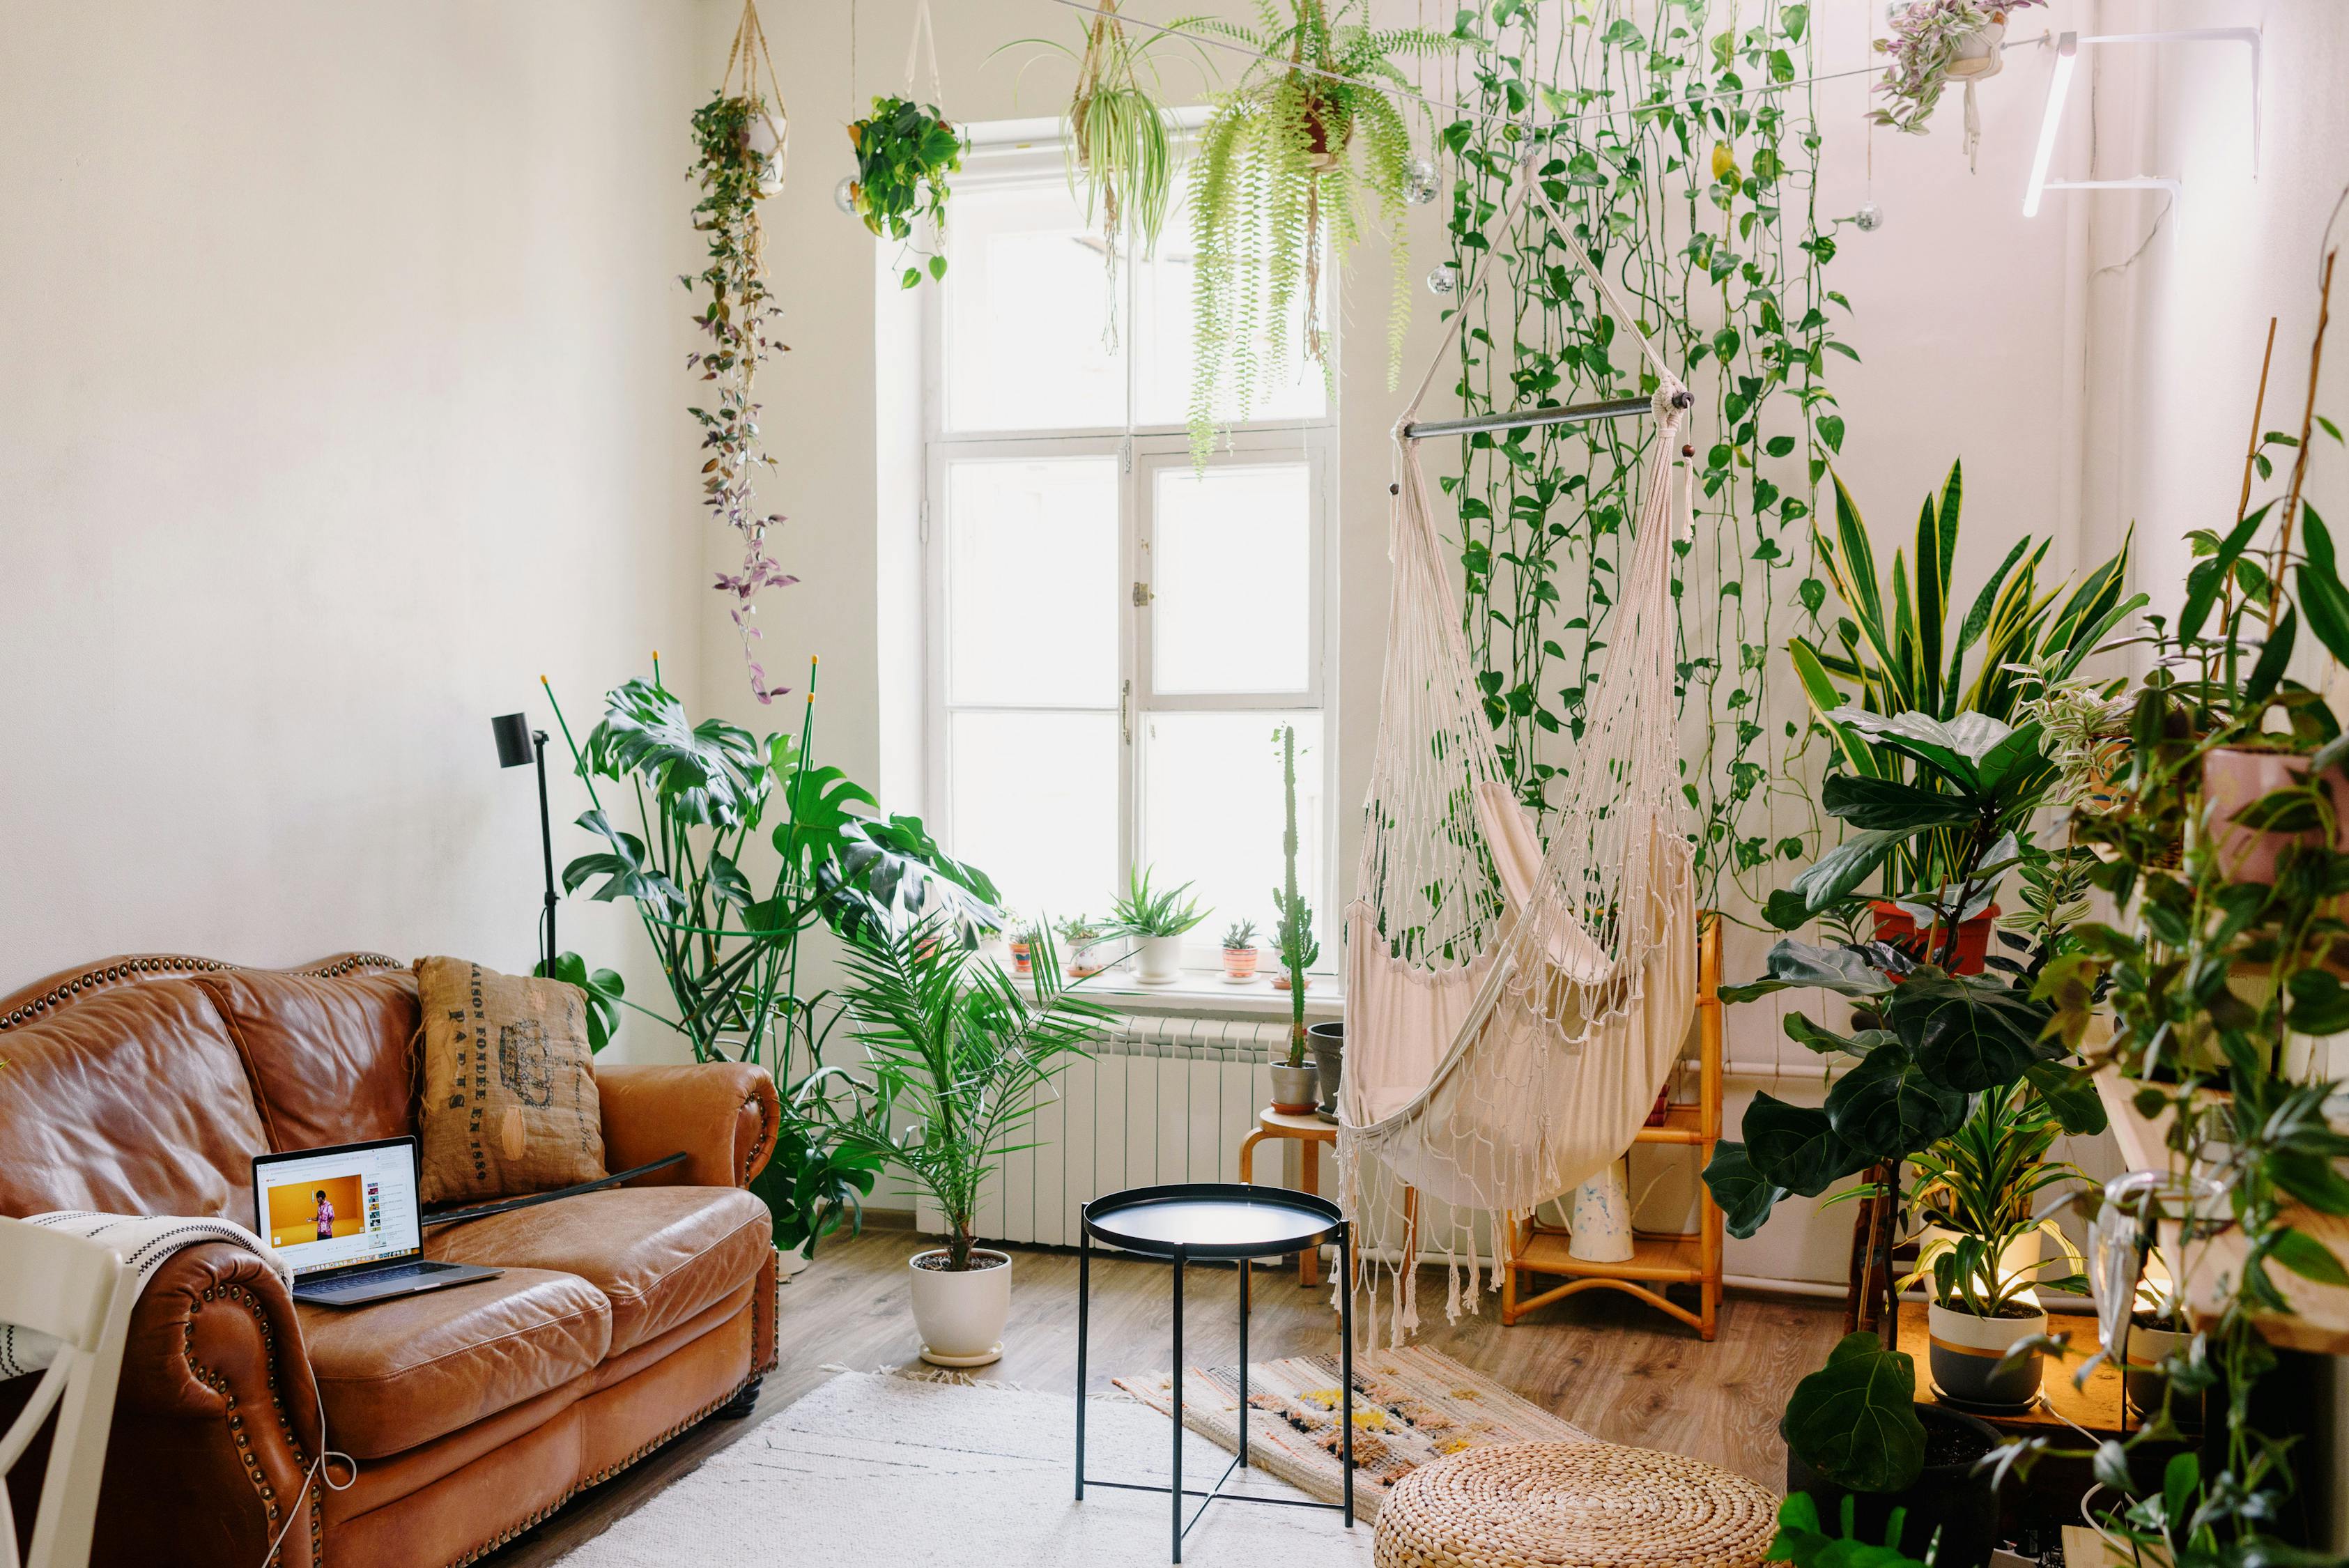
1143	595
1126	711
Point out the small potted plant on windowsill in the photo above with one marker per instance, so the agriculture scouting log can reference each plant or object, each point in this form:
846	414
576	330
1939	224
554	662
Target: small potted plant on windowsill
1239	953
1087	944
1027	936
1978	1191
1157	920
1294	944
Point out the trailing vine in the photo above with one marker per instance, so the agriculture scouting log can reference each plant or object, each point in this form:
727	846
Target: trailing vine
735	170
1700	197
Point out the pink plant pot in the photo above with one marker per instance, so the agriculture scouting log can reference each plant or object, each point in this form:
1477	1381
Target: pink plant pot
2232	778
1239	964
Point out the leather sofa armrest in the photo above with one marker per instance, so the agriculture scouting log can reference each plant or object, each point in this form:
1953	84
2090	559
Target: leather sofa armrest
724	1116
216	1421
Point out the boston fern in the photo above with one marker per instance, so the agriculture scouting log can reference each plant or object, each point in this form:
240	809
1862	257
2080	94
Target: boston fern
1289	163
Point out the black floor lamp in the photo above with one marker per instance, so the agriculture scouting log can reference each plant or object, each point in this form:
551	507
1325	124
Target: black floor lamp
519	744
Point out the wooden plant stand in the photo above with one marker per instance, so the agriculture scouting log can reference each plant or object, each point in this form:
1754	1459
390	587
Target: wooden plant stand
1310	1133
1690	1257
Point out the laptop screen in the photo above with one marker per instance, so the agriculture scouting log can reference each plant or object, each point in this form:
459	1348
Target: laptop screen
339	1207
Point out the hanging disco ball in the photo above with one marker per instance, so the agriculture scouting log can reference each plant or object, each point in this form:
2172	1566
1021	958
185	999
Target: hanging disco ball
1444	279
1420	183
844	195
1869	218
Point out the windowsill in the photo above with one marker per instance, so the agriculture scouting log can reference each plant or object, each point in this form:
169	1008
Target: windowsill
1204	991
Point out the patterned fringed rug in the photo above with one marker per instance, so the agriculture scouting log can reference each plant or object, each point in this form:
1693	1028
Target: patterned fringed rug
1411	1406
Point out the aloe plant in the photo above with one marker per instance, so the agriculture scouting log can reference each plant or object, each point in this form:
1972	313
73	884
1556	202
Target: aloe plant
1146	911
1239	936
1293	157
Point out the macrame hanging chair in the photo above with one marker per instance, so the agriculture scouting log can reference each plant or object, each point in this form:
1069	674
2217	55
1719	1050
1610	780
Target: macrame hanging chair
1511	1010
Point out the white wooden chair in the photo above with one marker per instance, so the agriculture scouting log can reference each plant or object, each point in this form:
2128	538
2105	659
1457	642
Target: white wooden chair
79	1293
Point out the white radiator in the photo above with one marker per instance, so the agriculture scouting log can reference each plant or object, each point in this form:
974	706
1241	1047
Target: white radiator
1170	1101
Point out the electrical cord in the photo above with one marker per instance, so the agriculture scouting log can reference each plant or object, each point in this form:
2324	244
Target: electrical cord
317	1471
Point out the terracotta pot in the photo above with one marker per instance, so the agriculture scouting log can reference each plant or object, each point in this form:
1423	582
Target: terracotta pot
1020	959
961	1314
2232	778
1292	1090
1239	964
1895	926
1968	1357
1280	980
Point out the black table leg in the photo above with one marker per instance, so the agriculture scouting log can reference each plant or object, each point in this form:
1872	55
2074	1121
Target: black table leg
1247	1266
1346	1363
1177	1488
1084	1305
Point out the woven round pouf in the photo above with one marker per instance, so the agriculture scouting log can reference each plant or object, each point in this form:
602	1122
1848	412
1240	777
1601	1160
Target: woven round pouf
1574	1505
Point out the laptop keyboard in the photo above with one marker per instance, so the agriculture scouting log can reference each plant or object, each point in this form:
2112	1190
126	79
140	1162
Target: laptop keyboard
385	1274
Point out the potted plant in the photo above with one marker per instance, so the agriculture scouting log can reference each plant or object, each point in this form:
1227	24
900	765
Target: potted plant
1239	953
1978	1194
1027	936
729	948
1304	144
1933	43
904	150
959	1054
1905	653
1088	945
1156	919
1296	948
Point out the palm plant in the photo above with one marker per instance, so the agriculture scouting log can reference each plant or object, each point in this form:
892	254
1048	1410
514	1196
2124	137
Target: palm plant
958	1054
1273	187
1895	652
1146	911
1981	1187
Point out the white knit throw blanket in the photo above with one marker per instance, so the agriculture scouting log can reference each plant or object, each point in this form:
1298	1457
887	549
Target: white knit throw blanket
142	1241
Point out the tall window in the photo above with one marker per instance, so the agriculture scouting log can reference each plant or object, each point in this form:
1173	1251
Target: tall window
1114	635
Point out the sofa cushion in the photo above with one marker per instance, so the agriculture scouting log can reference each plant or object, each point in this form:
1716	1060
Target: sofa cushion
330	1057
132	1101
660	1254
398	1372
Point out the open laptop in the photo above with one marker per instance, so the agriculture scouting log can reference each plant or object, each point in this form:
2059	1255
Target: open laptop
347	1221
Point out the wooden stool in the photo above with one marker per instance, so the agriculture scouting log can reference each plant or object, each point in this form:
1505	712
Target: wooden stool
1312	1132
1574	1505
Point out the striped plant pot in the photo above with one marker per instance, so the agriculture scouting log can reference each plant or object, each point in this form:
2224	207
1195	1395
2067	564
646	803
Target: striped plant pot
1968	1357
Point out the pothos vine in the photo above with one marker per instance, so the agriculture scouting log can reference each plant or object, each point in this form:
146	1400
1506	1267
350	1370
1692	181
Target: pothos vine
1700	197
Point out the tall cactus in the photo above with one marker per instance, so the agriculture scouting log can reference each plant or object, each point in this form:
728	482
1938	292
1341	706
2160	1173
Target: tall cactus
1293	934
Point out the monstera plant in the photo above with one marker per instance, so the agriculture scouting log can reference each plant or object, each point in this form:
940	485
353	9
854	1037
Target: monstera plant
729	948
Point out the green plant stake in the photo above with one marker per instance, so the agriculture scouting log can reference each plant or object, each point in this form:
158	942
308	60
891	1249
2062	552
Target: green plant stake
905	151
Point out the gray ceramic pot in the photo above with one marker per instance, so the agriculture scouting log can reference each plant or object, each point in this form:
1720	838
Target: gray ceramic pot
1328	1041
1292	1089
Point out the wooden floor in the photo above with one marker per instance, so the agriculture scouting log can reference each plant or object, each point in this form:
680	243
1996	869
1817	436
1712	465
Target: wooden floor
1618	1371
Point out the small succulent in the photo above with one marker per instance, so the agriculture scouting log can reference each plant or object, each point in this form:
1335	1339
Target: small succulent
1241	935
1079	929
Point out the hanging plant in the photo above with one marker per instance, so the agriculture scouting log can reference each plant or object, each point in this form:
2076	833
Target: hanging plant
904	150
1932	43
1121	145
741	144
1290	160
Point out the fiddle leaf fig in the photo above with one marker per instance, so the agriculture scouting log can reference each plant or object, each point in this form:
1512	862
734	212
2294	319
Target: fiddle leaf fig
1855	1419
1889	1104
1972	1033
1744	1196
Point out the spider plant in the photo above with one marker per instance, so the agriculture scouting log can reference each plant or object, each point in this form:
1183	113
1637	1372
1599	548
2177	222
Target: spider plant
1980	1185
1121	143
1291	159
1146	911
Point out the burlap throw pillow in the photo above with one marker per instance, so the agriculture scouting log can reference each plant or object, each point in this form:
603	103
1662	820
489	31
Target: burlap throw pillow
509	1104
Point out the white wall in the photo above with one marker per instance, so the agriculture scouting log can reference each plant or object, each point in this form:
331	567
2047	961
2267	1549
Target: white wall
343	397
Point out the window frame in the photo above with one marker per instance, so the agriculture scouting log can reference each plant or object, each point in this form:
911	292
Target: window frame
1142	451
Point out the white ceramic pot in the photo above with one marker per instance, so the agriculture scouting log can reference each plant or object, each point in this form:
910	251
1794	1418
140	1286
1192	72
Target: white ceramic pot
1160	960
1600	1219
961	1315
790	1261
768	137
1968	1357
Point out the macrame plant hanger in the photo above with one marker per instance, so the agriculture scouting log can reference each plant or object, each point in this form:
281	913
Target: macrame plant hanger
749	48
1511	1009
923	44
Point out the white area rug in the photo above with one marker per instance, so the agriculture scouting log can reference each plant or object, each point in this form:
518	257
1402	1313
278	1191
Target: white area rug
874	1468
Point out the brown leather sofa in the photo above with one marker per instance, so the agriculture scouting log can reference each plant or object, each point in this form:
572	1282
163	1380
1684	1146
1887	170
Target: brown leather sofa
623	1317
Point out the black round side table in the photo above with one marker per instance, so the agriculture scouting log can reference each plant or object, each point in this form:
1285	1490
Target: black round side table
1225	1221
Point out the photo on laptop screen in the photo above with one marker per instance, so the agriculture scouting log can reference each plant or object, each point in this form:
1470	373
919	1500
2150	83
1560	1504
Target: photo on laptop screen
336	1208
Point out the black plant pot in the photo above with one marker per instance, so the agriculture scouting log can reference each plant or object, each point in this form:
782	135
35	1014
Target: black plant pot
1948	1497
1328	1041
